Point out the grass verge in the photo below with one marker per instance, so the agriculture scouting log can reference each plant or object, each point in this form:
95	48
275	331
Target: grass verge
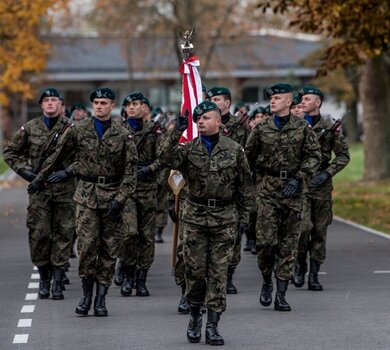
3	165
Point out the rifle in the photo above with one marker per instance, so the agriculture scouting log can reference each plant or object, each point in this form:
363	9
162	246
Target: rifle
243	119
155	130
48	150
337	123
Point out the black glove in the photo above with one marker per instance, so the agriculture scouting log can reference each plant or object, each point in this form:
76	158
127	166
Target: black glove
114	210
319	179
241	228
26	174
182	122
60	175
172	211
35	186
292	188
143	172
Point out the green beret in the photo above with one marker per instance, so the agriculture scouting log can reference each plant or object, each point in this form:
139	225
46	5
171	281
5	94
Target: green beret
279	88
202	108
258	110
78	105
134	96
50	92
216	91
102	93
308	89
146	101
297	99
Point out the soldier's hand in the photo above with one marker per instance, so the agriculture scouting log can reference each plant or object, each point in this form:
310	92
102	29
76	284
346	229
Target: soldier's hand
172	210
35	186
114	210
143	172
319	179
292	188
27	174
60	175
241	228
182	122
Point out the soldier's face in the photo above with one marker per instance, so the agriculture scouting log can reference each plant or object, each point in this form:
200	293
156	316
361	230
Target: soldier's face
209	123
135	109
51	106
280	104
311	104
102	108
222	103
298	110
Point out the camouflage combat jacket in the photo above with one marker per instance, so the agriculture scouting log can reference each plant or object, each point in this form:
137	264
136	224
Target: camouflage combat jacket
111	160
240	133
222	175
27	145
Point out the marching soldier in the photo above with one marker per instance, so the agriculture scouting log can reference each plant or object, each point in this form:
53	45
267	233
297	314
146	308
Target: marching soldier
222	98
284	151
296	106
139	217
219	190
104	158
319	197
50	214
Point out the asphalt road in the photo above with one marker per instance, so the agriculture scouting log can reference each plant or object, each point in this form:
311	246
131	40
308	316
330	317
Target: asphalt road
353	311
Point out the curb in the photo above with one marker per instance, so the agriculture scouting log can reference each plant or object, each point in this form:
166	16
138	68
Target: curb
363	228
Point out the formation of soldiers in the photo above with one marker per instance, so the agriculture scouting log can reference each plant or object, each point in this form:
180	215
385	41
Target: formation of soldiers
265	173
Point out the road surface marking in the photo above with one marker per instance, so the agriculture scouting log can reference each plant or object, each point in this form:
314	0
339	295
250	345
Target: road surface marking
27	309
20	339
25	322
35	276
31	296
381	271
33	285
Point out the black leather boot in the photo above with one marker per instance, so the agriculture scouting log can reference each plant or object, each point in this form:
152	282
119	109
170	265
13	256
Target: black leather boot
44	281
100	300
118	279
142	291
313	283
212	334
56	289
280	302
86	300
128	280
266	291
184	307
65	279
299	272
230	287
194	330
158	236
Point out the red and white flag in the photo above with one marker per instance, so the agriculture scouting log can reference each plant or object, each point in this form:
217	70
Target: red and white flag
191	94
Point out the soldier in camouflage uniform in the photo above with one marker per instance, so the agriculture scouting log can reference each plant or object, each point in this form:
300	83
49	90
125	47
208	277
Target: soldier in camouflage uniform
219	190
319	197
284	151
104	160
222	98
50	214
139	217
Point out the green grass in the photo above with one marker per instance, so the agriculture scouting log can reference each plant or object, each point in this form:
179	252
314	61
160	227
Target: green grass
3	165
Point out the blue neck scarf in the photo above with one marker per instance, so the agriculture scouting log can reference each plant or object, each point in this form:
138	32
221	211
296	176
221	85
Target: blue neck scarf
312	119
210	141
50	122
281	121
101	126
136	124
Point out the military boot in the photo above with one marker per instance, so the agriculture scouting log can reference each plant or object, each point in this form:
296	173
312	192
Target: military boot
313	283
280	302
44	281
100	300
266	291
299	272
65	279
212	334
128	280
56	289
184	307
142	291
118	279
230	287
86	300
158	236
194	330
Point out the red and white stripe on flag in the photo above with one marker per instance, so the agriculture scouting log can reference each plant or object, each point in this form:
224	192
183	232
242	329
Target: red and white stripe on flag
191	94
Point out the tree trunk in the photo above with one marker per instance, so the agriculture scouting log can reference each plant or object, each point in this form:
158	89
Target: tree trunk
352	125
375	97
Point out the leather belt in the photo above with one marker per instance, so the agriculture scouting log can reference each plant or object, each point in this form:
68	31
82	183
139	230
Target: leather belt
101	180
210	202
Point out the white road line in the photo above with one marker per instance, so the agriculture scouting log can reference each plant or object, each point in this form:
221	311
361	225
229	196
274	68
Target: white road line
31	296
27	309
384	271
35	276
33	285
20	339
35	268
24	322
363	228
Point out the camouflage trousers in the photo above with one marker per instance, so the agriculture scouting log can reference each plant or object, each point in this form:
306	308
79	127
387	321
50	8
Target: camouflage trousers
277	235
207	252
313	236
99	239
179	267
51	224
162	207
236	257
139	219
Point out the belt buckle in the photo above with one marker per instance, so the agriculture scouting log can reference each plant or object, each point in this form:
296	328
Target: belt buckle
101	180
211	202
283	174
